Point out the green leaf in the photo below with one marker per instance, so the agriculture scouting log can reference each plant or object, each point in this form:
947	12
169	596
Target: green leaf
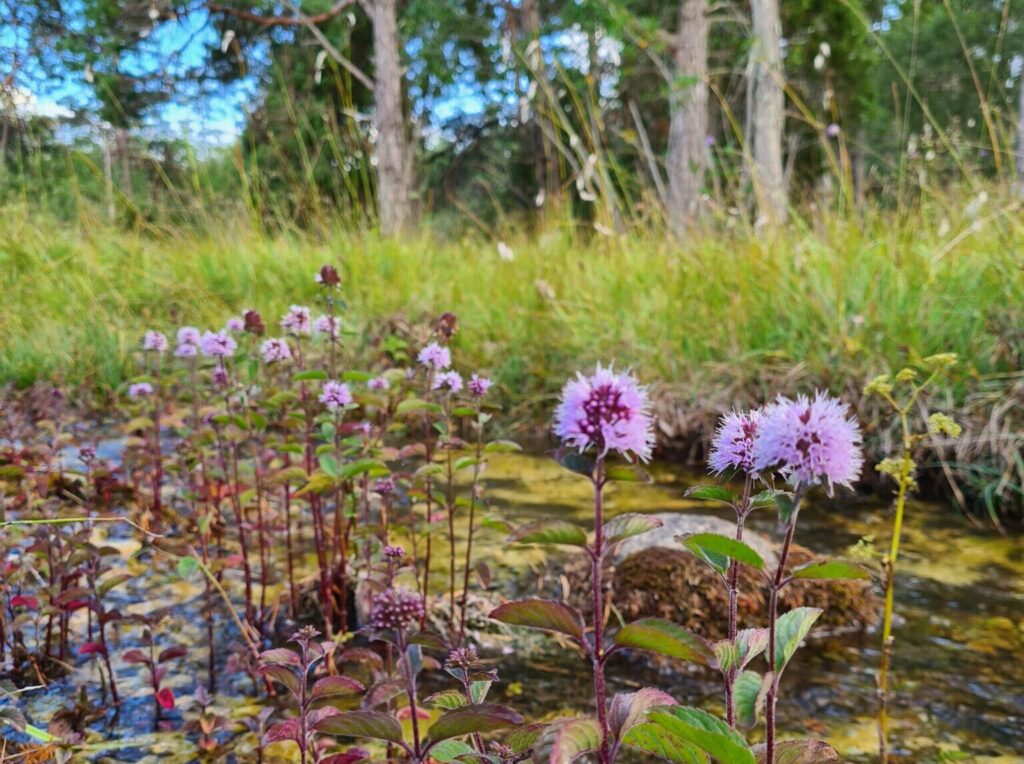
372	467
412	405
630	524
547	615
502	447
372	724
748	644
319	482
447	699
575	738
798	752
717	493
658	741
329	464
522	739
117	579
747	695
784	504
790	630
577	462
451	750
628	473
310	375
763	499
187	566
472	719
834	570
478	690
666	638
708	733
716	550
549	532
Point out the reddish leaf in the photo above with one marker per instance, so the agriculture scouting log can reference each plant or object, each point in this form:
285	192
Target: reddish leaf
541	614
165	698
405	713
171	653
135	656
335	687
92	648
25	600
351	756
289	729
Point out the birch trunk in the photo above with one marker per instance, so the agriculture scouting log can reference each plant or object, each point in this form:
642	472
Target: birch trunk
1020	137
768	103
394	152
688	127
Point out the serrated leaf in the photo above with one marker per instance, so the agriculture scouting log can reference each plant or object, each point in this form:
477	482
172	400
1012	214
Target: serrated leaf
717	550
447	699
658	741
747	696
451	750
471	719
748	644
717	493
833	570
574	739
666	638
798	752
336	687
710	734
547	615
370	724
627	525
628	709
790	630
549	532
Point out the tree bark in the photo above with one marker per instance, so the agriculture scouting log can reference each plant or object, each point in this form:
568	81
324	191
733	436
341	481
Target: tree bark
768	103
688	128
394	151
545	159
1020	137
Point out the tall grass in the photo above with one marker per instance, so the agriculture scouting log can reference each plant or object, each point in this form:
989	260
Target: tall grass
829	296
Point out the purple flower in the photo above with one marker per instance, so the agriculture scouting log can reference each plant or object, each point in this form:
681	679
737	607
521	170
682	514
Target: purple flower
335	395
188	335
448	380
385	486
379	383
140	390
607	411
275	349
235	324
220	377
435	356
479	386
296	320
832	131
396	608
809	441
217	344
328	276
732	447
154	341
394	552
328	325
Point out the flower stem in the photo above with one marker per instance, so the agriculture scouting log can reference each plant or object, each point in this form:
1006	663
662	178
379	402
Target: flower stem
733	585
597	655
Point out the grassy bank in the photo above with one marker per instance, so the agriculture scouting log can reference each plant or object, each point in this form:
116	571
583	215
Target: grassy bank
718	318
839	296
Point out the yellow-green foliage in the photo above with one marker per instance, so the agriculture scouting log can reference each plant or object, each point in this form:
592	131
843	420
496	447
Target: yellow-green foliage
834	294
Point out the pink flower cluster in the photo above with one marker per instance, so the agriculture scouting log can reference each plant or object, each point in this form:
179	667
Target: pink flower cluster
155	342
732	447
478	386
450	381
809	441
296	320
188	342
275	350
140	390
436	356
329	325
335	395
217	344
396	608
607	411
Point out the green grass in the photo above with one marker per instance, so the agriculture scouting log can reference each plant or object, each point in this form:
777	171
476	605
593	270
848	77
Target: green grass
832	298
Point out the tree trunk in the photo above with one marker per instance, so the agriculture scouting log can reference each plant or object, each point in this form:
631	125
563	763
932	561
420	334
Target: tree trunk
394	152
768	104
688	129
545	159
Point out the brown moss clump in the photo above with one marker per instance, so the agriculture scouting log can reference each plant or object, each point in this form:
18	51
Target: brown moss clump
674	584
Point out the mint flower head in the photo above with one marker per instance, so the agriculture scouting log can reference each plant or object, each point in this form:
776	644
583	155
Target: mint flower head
378	383
607	411
809	441
140	390
478	386
335	395
396	608
435	356
217	344
328	325
450	381
732	447
275	350
155	342
297	321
